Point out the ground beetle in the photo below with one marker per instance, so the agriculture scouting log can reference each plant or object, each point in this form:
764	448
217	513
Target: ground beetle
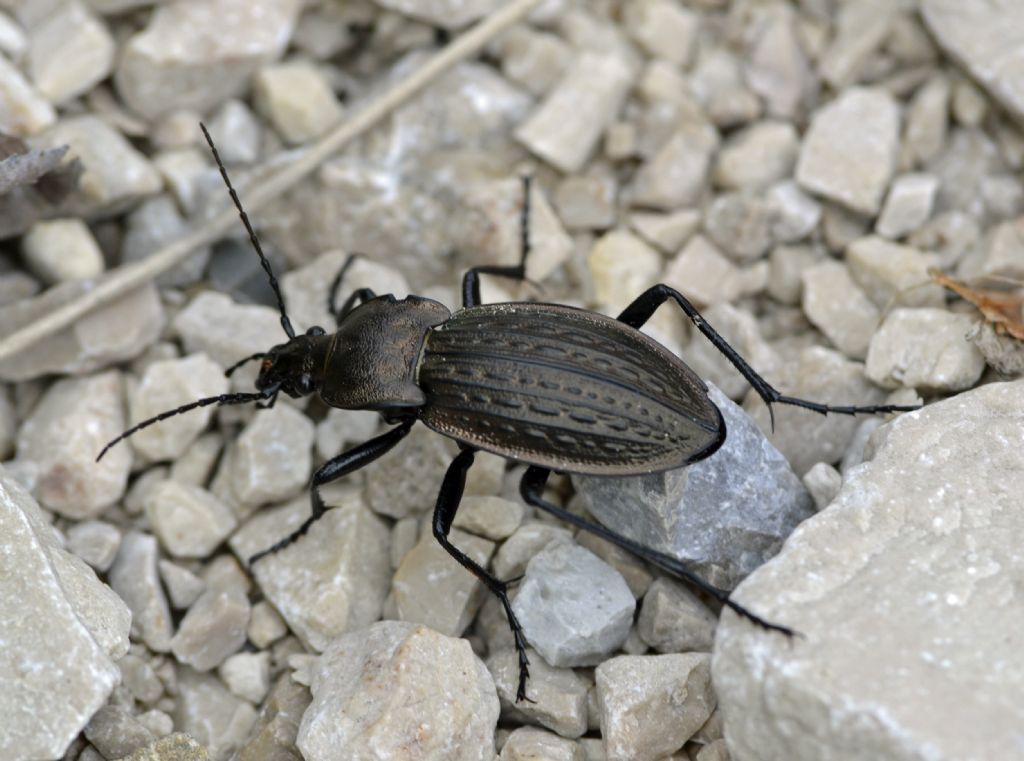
553	387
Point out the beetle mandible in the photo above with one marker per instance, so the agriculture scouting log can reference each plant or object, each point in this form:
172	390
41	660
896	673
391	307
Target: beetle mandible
554	387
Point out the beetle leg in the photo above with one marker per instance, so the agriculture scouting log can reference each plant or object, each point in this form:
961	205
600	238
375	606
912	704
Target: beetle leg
361	295
342	465
471	280
640	311
448	500
532	488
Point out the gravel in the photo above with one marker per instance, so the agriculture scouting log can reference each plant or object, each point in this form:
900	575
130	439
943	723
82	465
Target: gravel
795	169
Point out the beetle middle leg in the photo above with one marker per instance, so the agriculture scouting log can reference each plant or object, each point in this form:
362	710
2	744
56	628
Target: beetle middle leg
360	295
471	280
640	311
448	500
532	489
342	465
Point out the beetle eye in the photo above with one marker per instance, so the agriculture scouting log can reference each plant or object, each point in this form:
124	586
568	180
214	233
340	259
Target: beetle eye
316	330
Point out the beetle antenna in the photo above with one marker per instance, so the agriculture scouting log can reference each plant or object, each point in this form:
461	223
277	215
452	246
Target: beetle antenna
285	322
205	402
239	363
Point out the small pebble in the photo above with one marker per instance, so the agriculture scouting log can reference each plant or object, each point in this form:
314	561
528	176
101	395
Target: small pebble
529	744
70	52
673	620
575	608
96	542
247	675
183	586
838	308
62	249
265	625
212	629
297	99
273	456
189	521
908	205
557	697
823	482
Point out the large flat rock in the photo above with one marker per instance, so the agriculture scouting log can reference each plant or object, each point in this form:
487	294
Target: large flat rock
907	593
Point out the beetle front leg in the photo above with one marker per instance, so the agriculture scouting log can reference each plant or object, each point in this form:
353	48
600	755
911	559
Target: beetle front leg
640	311
448	500
532	489
342	465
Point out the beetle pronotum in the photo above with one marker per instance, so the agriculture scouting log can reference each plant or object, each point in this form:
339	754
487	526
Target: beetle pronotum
553	387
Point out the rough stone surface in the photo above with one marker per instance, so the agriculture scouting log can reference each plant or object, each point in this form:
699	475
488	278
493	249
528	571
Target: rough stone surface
574	607
166	385
206	710
297	99
70	52
527	744
134	577
903	591
926	349
174	747
273	737
54	610
63	436
908	205
674	620
744	496
891	274
651	704
95	542
432	588
62	249
374	689
839	308
557	697
565	128
329	582
986	41
193	55
849	152
121	330
190	521
213	628
273	457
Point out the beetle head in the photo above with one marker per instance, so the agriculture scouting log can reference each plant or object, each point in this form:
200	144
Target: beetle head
295	367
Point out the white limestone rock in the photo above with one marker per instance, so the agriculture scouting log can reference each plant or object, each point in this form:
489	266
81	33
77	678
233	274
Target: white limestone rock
904	591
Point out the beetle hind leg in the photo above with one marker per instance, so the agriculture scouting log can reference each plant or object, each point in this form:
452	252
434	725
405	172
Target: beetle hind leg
640	311
448	500
532	489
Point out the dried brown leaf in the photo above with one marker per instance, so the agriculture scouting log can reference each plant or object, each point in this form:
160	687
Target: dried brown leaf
1003	309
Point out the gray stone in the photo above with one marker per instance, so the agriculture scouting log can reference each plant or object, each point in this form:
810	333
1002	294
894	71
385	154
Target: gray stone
183	586
182	169
490	517
633	569
927	120
557	697
296	98
332	580
448	14
674	620
24	111
575	608
273	737
273	456
61	249
701	273
586	202
666	231
621	266
166	385
55	611
95	542
652	704
777	68
890	273
115	332
265	625
984	40
207	711
663	29
741	330
115	175
247	675
189	520
566	127
418	465
70	52
400	691
839	308
236	132
155	223
849	151
805	437
742	224
787	266
676	174
717	81
134	577
796	213
62	437
926	349
861	28
115	733
195	55
432	588
527	541
917	557
527	744
744	496
823	482
533	59
757	156
174	747
140	679
908	205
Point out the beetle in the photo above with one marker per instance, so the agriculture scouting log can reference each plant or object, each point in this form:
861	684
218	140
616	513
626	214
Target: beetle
553	387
